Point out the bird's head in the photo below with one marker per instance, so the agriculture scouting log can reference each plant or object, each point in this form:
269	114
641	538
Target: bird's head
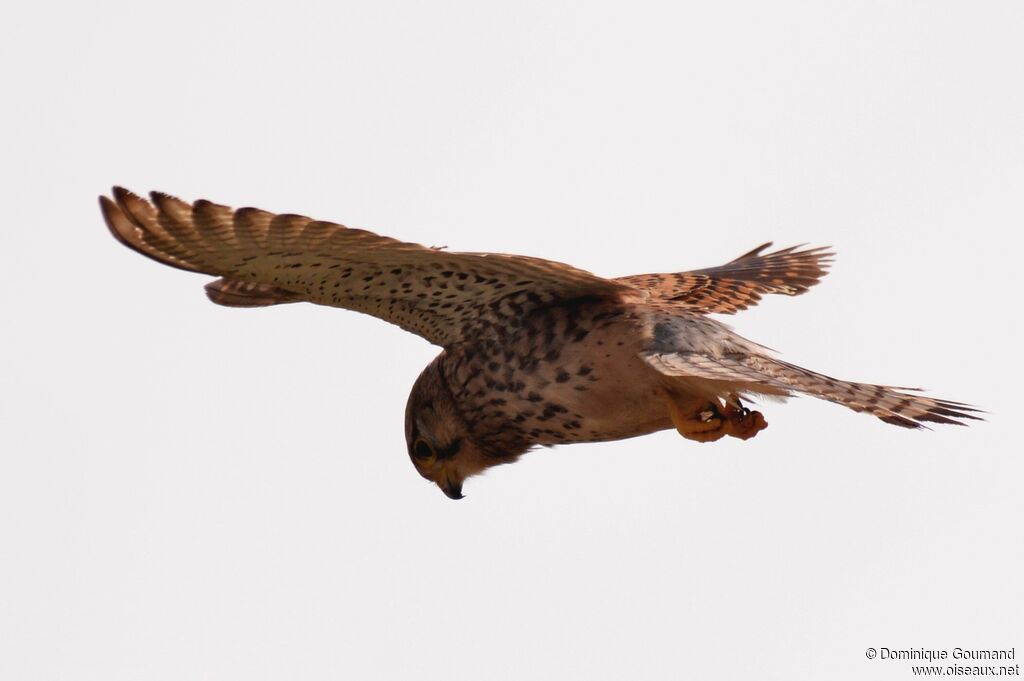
437	437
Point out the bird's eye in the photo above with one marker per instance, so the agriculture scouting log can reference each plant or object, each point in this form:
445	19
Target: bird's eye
422	450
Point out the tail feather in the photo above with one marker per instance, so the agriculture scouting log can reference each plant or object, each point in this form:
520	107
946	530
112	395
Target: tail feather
741	372
898	406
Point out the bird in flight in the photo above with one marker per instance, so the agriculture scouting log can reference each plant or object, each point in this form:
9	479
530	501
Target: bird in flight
535	352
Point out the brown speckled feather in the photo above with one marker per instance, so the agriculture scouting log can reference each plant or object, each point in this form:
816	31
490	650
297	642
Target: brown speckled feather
757	373
738	284
236	293
535	352
266	258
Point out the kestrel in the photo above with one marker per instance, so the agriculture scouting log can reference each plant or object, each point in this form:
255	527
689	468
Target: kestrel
535	352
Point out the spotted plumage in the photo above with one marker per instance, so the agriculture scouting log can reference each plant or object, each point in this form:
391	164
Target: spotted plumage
535	352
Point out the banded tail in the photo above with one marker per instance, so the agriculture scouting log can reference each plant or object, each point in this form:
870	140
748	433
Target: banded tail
756	373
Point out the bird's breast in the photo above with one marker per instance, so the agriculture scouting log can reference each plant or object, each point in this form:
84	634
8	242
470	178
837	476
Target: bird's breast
568	375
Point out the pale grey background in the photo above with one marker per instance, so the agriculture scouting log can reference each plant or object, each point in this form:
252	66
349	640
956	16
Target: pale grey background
193	492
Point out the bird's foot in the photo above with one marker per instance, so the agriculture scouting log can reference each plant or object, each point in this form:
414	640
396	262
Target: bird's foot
703	423
713	420
740	422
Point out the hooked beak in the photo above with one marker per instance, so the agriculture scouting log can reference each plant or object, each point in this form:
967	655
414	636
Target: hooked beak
452	490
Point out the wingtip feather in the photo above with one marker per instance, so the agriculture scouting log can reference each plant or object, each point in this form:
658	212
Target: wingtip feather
117	222
127	217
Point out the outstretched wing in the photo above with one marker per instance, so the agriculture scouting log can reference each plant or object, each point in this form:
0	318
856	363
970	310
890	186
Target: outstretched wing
265	259
739	284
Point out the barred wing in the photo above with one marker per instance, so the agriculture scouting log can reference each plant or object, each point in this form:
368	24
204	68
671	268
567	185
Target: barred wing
264	259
